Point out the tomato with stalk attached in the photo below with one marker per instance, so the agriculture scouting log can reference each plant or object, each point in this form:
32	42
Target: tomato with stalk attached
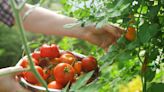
67	58
55	85
89	63
130	34
64	73
50	51
30	77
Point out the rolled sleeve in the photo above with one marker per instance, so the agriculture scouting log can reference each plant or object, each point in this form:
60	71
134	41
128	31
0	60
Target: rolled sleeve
6	15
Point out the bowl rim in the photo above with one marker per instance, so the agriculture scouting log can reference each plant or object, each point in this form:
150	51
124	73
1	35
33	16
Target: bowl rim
40	87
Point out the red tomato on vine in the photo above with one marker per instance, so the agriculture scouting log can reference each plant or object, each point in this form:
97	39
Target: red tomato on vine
130	34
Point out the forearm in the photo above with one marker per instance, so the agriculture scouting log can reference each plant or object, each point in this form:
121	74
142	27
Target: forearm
48	22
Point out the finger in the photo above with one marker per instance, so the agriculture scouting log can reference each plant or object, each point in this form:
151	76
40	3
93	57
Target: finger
117	31
110	29
106	43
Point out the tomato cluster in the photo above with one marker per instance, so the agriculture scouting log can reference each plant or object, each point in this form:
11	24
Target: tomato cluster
58	67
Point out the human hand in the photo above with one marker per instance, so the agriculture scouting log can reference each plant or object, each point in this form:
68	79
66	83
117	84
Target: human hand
8	84
104	36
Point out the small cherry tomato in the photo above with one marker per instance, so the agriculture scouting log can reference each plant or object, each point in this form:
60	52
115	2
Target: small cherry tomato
36	55
30	77
130	34
89	63
64	73
49	51
78	67
55	85
55	61
25	62
67	58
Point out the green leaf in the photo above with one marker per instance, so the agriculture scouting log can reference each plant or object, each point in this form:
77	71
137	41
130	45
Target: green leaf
81	81
66	88
156	87
93	87
150	74
124	56
147	32
133	45
144	9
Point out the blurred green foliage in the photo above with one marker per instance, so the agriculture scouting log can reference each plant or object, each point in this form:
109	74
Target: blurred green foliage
10	46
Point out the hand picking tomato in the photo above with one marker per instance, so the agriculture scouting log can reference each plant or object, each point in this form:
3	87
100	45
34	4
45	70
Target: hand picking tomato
30	77
55	85
78	67
131	34
49	51
63	73
67	58
89	63
36	55
25	62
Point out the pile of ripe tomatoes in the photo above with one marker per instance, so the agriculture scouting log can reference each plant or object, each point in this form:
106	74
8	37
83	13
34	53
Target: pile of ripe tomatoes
58	67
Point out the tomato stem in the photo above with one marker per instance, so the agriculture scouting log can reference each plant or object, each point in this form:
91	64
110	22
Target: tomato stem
24	40
66	70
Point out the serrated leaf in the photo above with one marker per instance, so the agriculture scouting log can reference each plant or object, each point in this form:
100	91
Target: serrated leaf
81	81
156	87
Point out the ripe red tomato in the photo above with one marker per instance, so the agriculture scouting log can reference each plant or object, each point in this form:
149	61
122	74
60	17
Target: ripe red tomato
36	55
55	85
30	77
25	62
131	34
64	73
49	51
78	67
89	63
68	52
67	58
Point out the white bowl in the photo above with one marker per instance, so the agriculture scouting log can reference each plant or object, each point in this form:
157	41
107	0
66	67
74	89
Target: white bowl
36	88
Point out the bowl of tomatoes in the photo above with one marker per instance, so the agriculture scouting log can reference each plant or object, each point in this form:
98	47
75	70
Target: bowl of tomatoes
57	67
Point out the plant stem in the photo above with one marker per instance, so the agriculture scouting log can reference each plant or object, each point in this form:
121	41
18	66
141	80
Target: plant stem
144	84
12	70
24	40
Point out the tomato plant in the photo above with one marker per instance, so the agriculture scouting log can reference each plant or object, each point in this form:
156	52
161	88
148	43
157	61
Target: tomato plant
136	53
